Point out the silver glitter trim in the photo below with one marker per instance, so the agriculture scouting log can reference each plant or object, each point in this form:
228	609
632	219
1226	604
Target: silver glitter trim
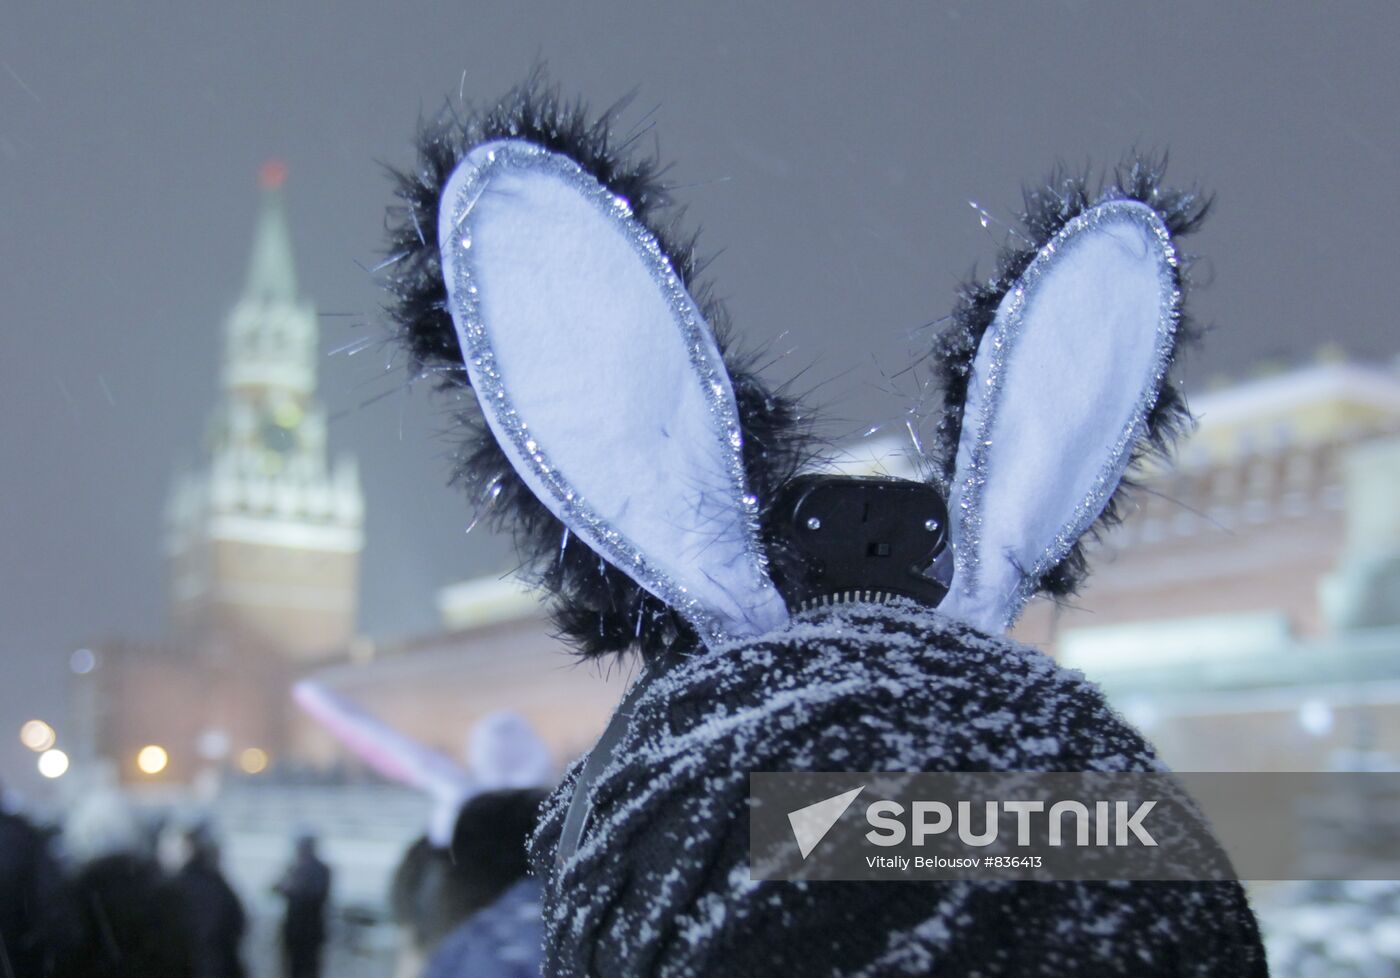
1003	335
705	360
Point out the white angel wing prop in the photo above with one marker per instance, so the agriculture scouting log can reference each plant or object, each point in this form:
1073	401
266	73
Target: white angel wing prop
392	754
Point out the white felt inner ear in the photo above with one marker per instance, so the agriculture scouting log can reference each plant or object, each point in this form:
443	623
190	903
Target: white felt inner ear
1061	387
602	383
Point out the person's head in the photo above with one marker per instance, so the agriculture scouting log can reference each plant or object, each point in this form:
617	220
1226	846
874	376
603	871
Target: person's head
488	844
436	889
305	846
188	843
174	848
204	844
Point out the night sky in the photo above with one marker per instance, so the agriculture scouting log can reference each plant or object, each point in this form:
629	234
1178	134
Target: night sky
828	150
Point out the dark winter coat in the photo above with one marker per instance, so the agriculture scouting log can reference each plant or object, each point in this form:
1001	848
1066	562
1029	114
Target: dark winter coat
125	920
501	941
216	919
28	881
306	888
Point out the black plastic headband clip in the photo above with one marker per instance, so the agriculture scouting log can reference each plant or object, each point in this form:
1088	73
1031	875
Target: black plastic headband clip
848	538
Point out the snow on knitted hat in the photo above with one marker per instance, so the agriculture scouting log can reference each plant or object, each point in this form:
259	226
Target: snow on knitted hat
661	883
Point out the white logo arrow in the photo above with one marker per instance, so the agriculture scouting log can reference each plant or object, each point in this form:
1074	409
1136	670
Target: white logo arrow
811	824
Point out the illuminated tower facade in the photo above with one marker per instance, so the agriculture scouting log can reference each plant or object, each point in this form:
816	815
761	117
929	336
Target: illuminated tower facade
264	540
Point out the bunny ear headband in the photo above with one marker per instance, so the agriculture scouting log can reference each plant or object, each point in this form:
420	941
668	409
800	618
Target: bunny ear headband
612	432
638	460
1056	376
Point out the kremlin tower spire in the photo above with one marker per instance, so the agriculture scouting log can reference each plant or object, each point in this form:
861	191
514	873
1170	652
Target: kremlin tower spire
272	272
271	335
264	541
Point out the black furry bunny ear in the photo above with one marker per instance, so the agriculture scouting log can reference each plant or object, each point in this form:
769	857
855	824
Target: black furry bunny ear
1058	380
615	435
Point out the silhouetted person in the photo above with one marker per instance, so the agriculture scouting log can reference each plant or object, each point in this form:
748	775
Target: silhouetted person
306	886
502	937
125	920
28	881
472	910
215	914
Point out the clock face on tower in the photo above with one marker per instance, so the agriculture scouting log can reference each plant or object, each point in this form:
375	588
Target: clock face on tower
279	433
278	439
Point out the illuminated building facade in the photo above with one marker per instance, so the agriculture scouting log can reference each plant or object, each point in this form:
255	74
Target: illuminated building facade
1247	612
1253	588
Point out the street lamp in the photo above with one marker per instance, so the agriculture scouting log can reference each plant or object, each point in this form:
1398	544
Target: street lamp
253	760
53	764
152	759
37	735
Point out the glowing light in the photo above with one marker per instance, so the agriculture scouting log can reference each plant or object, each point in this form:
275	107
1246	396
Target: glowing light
212	745
288	415
82	662
53	764
1315	716
253	760
152	759
37	735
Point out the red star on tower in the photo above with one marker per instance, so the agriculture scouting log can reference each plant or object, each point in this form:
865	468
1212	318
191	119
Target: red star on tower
272	174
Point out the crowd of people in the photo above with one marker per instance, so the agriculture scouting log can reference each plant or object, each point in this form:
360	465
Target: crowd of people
111	896
115	903
116	898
